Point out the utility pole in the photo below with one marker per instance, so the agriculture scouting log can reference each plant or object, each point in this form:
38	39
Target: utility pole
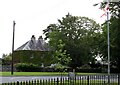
108	39
108	34
13	46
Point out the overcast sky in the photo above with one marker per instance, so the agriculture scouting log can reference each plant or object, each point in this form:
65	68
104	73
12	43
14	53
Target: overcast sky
32	16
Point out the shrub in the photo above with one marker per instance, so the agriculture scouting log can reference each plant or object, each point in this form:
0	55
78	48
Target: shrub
27	67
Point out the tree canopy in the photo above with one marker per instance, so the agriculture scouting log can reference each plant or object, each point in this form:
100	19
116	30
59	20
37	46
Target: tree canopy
114	27
80	36
114	8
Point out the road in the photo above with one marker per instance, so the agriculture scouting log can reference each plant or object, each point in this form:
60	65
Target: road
29	78
25	78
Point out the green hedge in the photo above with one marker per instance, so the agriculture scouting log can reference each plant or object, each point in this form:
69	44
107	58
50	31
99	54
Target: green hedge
27	67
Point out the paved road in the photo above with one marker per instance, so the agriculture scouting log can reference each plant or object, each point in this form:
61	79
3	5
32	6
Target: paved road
24	78
27	78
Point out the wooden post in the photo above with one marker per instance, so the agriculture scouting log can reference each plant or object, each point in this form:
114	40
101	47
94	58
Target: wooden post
13	46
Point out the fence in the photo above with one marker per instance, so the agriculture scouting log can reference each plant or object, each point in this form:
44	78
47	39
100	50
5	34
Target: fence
78	80
6	68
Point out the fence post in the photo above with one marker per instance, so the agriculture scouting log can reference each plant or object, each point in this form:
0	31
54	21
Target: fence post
118	79
108	79
57	81
17	82
87	80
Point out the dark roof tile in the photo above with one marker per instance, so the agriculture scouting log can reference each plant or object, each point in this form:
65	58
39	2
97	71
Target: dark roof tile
38	45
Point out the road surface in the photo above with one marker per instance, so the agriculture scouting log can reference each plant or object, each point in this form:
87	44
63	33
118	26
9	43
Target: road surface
25	78
113	78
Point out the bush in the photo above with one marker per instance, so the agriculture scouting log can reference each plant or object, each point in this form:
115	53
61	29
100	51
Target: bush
27	67
91	70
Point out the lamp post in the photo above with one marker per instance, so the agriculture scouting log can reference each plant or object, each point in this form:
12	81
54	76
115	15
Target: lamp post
108	35
13	46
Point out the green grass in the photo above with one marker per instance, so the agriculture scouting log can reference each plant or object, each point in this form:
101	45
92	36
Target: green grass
32	74
91	82
78	73
41	73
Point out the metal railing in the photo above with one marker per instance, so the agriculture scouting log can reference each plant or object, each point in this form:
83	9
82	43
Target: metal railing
77	80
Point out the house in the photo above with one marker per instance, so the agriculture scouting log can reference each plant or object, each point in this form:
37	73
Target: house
33	51
33	44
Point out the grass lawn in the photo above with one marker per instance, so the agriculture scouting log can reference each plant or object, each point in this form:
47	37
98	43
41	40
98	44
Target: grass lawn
41	73
31	74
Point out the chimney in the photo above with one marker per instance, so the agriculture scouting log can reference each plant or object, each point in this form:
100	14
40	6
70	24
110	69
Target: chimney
41	39
33	38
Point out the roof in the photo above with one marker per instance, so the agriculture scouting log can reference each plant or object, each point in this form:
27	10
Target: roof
33	44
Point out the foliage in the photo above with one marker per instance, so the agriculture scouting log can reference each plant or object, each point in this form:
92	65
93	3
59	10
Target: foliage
114	8
61	58
114	42
114	27
80	36
27	67
30	56
114	34
6	59
86	66
60	68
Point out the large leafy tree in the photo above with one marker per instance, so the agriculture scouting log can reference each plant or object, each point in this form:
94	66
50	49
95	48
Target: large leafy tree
114	8
114	42
80	36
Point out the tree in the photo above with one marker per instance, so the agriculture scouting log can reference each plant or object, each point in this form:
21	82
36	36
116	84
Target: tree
6	59
114	8
62	59
79	34
114	41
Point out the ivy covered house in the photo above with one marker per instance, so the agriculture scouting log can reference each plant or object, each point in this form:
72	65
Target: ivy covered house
34	51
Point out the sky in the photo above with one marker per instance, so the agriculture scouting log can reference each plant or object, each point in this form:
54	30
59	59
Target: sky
33	16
